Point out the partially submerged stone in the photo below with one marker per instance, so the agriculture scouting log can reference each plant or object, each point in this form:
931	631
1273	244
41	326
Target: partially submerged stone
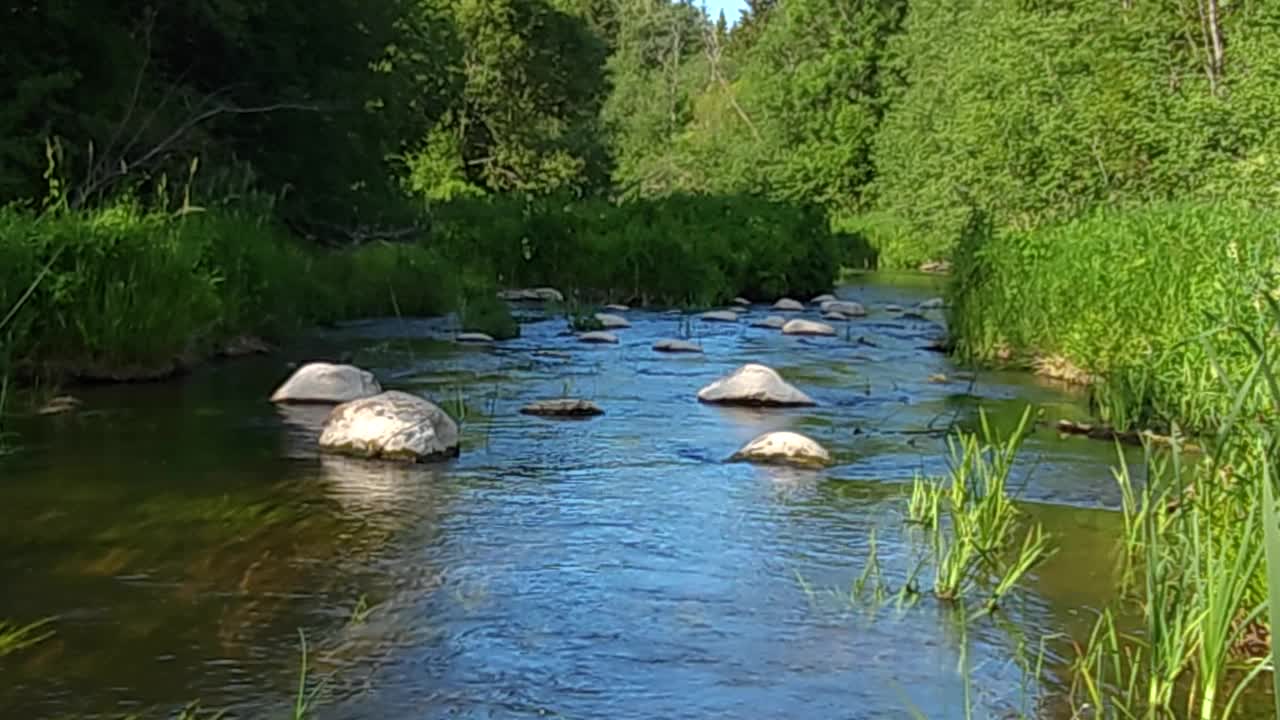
774	322
844	307
893	308
741	301
542	294
788	305
753	384
931	304
391	426
60	405
320	382
612	322
835	317
826	297
615	307
598	337
474	338
677	346
563	407
719	316
807	327
784	448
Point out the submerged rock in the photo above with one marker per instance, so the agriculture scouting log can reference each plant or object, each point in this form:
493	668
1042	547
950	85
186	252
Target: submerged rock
677	346
391	426
835	317
774	322
827	297
562	407
598	337
612	322
807	327
784	448
474	337
844	307
788	305
753	384
320	382
893	308
245	345
542	294
719	316
60	405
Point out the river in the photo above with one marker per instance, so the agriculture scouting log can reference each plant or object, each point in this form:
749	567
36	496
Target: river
184	533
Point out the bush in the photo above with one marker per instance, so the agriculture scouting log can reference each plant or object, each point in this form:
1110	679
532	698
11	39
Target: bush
1130	296
679	250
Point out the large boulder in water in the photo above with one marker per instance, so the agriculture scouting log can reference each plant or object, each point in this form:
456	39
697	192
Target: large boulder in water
785	448
753	385
320	382
391	426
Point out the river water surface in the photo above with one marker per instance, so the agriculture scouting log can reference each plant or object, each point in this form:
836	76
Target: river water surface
183	534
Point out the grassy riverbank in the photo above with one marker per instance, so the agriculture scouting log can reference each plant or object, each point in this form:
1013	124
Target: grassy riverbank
1138	303
124	293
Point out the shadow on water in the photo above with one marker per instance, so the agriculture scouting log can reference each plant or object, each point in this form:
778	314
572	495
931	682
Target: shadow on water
182	534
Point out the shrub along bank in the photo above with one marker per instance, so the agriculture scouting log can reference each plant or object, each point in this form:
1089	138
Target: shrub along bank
123	292
1141	303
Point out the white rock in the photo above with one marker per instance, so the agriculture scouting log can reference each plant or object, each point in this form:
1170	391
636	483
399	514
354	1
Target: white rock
677	346
788	305
753	385
719	316
612	322
391	426
616	308
807	327
326	383
562	407
827	297
598	337
785	448
931	304
474	337
773	321
851	309
741	302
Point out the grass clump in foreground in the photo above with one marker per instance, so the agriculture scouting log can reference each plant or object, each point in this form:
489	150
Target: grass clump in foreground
1124	296
971	521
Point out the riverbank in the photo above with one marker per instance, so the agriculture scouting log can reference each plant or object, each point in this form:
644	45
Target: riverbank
124	293
1138	304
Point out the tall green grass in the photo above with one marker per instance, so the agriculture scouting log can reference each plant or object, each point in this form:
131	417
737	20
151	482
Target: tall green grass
124	290
1125	295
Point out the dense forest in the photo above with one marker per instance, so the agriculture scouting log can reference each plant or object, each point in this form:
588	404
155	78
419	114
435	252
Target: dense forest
636	149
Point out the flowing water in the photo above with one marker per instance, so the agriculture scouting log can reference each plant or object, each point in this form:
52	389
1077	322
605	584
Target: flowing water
183	535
